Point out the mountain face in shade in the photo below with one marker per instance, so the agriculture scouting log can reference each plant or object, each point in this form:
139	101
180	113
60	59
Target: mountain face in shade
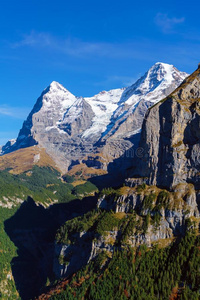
71	127
171	137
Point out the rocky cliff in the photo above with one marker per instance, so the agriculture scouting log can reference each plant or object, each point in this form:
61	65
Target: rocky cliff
170	137
127	217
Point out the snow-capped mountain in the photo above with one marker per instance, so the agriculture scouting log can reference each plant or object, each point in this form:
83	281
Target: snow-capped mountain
155	85
71	127
103	105
112	108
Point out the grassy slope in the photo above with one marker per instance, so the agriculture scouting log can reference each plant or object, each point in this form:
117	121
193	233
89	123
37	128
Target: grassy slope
24	159
43	184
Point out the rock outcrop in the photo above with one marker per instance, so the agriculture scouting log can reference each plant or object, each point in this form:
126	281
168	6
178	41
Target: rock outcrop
130	216
170	137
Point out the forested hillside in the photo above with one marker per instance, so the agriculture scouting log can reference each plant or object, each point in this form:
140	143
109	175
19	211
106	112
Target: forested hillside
141	273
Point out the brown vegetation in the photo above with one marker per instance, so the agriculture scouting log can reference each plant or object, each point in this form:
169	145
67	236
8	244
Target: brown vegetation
24	159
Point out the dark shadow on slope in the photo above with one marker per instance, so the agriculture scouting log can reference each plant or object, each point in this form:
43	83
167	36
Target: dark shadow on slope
32	229
76	254
120	169
192	143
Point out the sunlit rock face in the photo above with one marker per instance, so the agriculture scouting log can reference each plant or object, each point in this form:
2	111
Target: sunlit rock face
70	127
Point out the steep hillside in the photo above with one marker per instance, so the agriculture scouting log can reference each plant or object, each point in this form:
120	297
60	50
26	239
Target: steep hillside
141	243
169	273
127	217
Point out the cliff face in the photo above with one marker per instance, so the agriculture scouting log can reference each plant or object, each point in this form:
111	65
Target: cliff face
170	137
130	216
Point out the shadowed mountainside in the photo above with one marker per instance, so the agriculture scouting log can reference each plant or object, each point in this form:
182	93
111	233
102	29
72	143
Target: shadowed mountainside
32	229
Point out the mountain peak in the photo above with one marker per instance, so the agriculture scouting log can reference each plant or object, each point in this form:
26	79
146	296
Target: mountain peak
159	71
165	72
57	94
161	75
154	84
55	86
162	64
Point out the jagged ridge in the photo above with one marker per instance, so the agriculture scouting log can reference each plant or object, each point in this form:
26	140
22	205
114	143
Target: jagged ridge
70	128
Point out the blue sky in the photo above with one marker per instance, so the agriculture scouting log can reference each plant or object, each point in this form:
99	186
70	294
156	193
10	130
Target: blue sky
87	46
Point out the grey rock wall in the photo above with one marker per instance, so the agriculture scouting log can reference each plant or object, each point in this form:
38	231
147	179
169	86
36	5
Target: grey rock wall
170	138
